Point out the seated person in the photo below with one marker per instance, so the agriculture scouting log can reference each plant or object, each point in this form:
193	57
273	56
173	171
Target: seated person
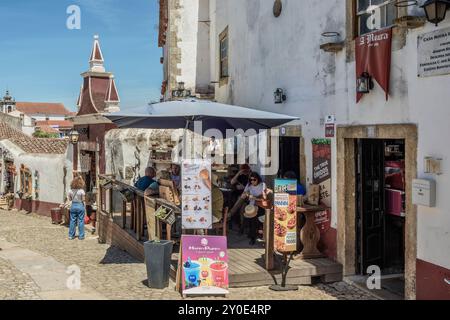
290	175
217	200
241	179
175	172
147	180
153	189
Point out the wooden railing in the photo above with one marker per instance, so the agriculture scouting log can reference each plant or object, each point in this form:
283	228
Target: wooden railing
139	209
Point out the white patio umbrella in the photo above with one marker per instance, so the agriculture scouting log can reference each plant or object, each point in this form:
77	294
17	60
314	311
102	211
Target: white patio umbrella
183	114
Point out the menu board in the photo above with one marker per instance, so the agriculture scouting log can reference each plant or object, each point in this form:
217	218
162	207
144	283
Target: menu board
196	194
204	265
322	177
285	215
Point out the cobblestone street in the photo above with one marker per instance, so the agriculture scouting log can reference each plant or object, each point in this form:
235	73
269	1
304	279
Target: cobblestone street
106	272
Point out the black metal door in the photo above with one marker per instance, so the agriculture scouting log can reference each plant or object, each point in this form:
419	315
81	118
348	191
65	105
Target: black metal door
371	203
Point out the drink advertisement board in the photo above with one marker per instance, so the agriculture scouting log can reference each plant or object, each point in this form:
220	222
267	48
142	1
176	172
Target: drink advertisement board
204	264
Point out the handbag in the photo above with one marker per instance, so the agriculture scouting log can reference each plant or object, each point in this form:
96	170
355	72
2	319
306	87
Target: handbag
68	204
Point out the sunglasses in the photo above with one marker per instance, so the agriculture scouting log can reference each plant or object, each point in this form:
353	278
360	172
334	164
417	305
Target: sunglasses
253	180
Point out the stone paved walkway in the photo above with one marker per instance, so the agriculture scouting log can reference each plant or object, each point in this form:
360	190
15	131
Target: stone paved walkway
106	272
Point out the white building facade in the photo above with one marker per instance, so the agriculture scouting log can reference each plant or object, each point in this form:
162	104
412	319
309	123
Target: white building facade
255	48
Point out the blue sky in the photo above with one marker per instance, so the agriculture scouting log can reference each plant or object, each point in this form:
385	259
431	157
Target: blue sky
41	60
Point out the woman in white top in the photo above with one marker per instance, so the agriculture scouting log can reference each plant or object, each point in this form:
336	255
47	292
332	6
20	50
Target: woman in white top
254	191
77	210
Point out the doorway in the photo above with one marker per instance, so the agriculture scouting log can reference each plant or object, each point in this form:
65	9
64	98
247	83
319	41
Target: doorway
380	209
9	177
347	230
289	156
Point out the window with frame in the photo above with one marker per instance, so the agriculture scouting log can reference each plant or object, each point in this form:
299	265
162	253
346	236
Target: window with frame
223	47
372	15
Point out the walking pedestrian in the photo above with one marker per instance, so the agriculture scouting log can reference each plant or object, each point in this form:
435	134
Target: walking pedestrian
77	196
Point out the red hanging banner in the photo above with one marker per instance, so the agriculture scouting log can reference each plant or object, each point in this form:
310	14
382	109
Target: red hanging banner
373	55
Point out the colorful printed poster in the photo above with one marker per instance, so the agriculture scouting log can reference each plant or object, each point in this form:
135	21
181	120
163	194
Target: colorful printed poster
196	192
322	177
205	265
285	215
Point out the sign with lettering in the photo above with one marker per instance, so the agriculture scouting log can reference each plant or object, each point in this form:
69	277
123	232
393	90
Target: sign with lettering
285	215
434	53
322	177
373	56
204	265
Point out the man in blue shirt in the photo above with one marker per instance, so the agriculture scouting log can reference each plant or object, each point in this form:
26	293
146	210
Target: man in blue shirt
290	175
146	181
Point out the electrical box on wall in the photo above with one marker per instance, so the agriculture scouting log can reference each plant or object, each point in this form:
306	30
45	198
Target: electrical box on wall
424	193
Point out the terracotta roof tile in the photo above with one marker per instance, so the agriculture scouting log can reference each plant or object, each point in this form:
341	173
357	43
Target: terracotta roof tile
31	144
43	108
55	123
47	129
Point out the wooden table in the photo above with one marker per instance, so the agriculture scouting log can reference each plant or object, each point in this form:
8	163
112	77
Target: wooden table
310	233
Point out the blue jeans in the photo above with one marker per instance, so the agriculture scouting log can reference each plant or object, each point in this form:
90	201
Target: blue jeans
77	212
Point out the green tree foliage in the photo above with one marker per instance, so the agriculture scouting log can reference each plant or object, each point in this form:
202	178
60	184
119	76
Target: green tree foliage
42	134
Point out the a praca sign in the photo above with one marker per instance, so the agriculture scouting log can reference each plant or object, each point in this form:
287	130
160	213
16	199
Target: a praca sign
434	53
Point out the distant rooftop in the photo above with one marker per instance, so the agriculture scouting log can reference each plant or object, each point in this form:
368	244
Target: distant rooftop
43	108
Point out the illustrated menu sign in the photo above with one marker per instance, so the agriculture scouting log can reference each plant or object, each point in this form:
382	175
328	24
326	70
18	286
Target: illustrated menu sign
373	55
322	177
204	265
434	53
197	202
285	215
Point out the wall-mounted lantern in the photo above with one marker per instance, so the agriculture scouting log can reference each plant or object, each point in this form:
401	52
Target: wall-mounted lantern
436	10
279	96
181	92
364	83
74	137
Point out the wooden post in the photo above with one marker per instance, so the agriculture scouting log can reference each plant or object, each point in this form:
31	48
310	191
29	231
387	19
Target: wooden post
269	237
143	217
179	276
132	223
110	207
138	220
124	214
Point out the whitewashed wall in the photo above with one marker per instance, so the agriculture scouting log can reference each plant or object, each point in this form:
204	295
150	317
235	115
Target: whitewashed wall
267	52
50	169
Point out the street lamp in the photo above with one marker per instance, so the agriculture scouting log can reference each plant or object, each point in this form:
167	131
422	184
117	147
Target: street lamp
74	136
279	96
435	10
364	83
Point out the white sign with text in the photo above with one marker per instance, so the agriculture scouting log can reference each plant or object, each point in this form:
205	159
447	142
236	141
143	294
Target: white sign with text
434	53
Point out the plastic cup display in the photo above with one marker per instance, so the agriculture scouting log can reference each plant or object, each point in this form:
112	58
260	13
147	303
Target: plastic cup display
219	273
192	274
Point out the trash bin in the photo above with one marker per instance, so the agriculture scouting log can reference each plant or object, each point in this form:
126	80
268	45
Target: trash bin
56	215
158	256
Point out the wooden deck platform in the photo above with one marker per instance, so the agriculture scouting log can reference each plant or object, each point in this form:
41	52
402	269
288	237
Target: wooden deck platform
246	263
246	267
